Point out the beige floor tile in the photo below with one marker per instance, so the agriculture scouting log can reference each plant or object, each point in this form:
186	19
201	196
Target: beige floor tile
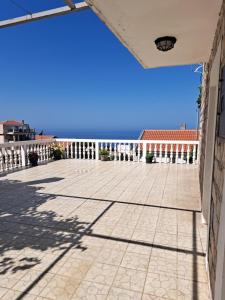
44	215
91	290
110	256
130	279
101	273
122	294
135	261
192	290
60	287
161	285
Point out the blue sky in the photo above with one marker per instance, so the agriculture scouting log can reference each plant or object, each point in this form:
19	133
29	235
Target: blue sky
72	72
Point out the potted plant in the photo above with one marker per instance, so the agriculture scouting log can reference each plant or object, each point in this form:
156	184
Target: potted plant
149	158
33	158
57	152
104	155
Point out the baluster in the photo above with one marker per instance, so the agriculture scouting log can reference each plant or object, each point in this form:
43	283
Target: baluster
75	150
155	152
177	153
1	161
110	149
92	151
115	151
67	150
171	153
160	153
79	149
182	153
7	162
123	152
194	154
19	156
134	151
139	152
84	150
119	150
144	151
10	158
15	158
166	152
129	150
40	151
88	151
188	154
71	150
48	151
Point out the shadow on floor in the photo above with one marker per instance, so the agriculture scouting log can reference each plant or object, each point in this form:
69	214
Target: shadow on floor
23	226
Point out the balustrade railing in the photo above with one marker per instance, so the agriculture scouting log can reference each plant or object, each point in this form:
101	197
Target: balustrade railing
15	155
180	152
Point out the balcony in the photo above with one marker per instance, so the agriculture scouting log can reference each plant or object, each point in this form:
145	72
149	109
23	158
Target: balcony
79	228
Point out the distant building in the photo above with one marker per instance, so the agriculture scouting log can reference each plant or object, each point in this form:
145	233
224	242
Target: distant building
14	131
170	135
41	137
178	135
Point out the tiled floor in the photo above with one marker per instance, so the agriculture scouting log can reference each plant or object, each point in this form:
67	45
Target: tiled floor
102	230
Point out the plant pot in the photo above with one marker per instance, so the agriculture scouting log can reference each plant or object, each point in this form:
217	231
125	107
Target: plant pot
57	157
149	160
104	158
33	162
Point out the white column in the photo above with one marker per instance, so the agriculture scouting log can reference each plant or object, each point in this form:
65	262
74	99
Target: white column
115	151
23	155
166	153
92	150
155	151
97	150
182	153
134	151
119	150
110	149
171	153
88	151
177	153
194	154
75	150
144	146
129	147
188	154
160	153
79	149
139	152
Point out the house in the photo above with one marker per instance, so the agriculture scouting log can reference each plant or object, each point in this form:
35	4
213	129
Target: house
13	131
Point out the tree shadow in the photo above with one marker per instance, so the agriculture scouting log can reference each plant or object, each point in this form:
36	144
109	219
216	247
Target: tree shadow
29	228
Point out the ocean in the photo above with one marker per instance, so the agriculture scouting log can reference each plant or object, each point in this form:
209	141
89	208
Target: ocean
96	134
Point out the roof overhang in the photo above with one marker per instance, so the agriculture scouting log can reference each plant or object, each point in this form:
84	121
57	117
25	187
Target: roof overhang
137	23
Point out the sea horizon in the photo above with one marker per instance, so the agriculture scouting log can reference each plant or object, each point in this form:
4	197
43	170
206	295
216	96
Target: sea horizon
94	134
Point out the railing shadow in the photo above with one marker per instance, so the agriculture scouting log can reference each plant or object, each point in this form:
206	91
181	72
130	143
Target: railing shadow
23	225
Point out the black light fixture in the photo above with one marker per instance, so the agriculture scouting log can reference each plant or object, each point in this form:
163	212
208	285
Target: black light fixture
165	43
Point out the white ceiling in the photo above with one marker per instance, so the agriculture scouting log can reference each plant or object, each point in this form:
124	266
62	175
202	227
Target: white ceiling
137	23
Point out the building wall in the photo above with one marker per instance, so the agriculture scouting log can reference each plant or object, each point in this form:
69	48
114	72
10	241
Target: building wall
218	172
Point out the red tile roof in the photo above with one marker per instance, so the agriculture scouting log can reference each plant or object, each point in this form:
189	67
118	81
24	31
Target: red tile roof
11	123
44	137
169	135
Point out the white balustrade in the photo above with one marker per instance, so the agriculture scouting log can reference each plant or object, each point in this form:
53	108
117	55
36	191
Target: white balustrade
15	155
